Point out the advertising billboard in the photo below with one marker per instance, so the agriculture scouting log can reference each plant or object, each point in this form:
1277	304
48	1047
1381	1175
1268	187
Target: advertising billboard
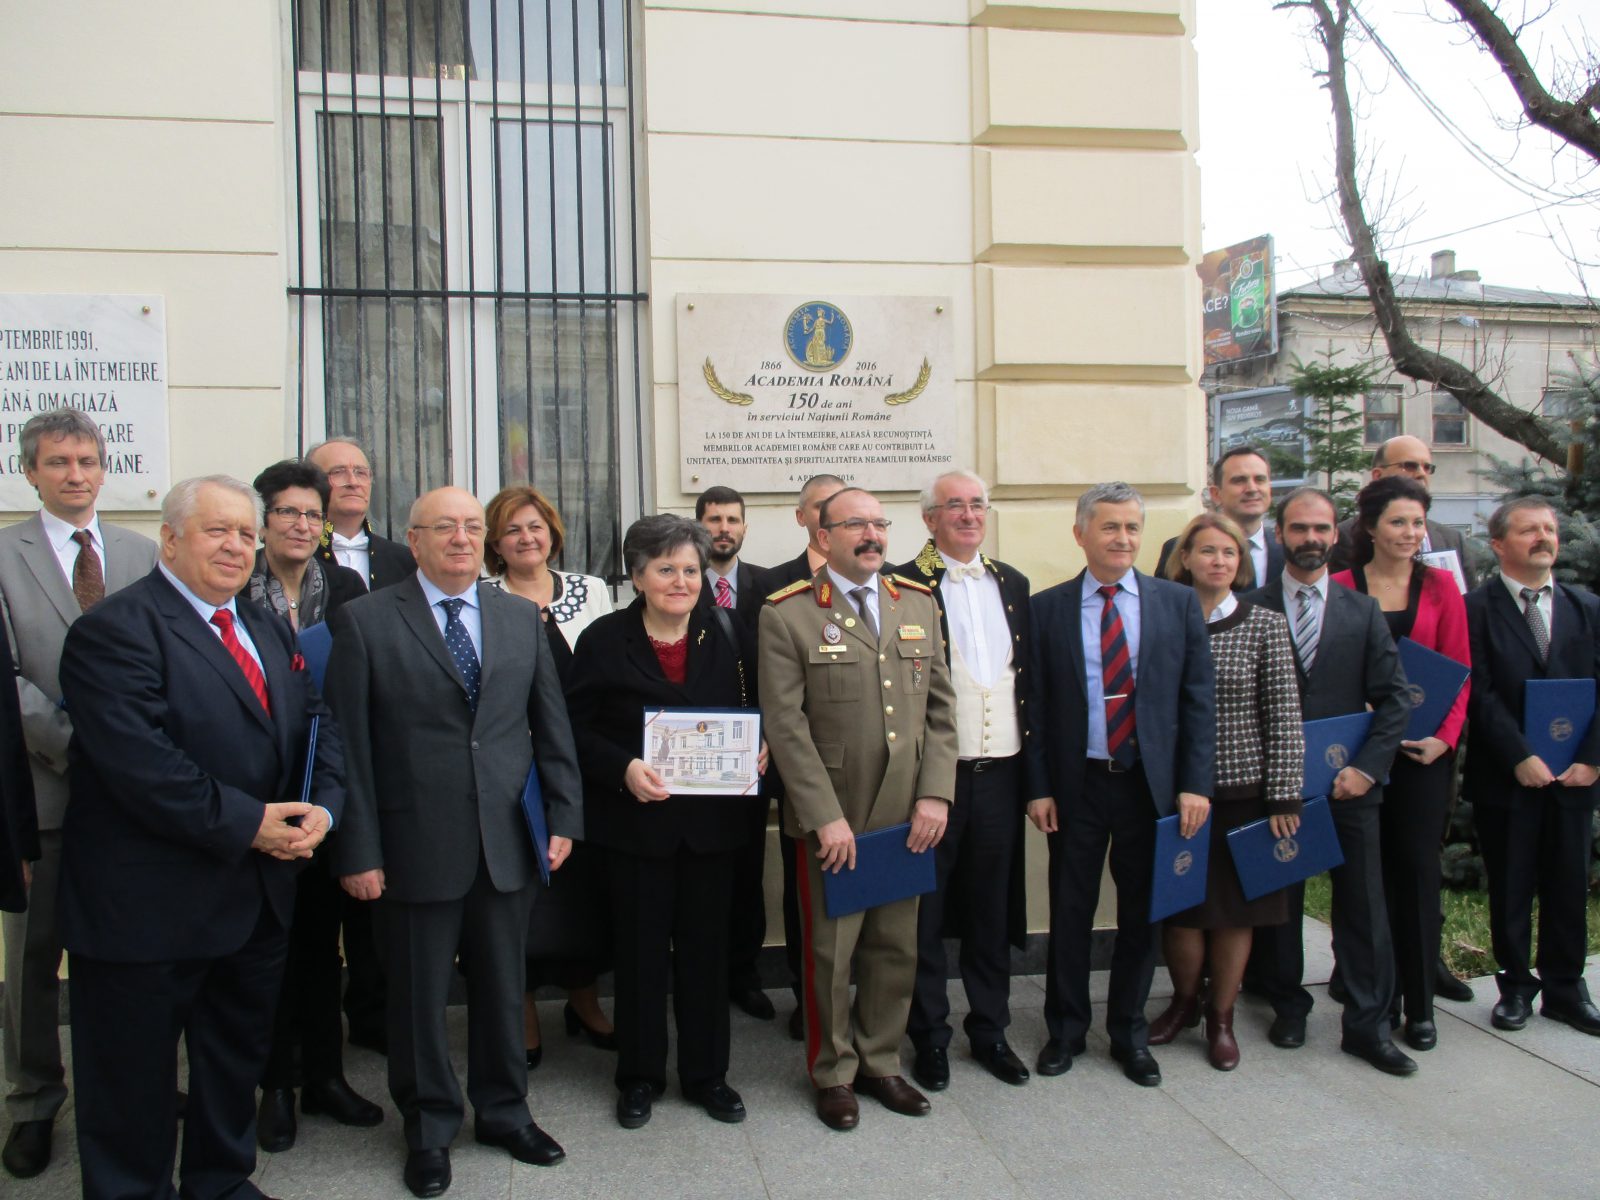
1271	419
1240	306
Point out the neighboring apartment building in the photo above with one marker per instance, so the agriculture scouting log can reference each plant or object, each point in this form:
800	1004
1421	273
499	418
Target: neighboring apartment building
1515	337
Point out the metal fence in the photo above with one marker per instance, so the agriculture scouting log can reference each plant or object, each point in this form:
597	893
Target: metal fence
466	268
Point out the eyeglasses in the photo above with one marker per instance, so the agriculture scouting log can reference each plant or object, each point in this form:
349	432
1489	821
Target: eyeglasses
359	474
1411	466
957	507
444	529
291	516
860	524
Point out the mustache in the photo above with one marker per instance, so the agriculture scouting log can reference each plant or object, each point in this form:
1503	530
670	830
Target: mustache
868	547
1309	555
1546	546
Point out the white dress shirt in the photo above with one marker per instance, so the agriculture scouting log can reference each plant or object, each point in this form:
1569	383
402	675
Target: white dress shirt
976	614
733	584
354	553
1258	554
843	587
471	616
60	533
206	611
1546	603
1229	604
1292	588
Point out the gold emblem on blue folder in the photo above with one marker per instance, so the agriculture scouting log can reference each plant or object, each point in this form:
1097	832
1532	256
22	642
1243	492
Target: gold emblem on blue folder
1286	850
1336	756
1560	729
1181	864
1417	695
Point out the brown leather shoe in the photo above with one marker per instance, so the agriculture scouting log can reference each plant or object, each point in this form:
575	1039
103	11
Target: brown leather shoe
1221	1047
1183	1013
895	1094
837	1108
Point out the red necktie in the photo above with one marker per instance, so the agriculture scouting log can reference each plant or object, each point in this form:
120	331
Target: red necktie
223	620
1116	673
88	579
723	594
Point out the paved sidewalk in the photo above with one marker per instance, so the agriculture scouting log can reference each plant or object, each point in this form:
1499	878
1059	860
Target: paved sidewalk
1489	1114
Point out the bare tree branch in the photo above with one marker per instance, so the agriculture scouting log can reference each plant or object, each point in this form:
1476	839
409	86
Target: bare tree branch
1575	122
1410	358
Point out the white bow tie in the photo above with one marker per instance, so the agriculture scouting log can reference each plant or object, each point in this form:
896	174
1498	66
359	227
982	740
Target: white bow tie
964	570
359	542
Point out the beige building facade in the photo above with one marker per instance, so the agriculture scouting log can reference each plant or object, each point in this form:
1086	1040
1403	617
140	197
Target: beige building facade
462	243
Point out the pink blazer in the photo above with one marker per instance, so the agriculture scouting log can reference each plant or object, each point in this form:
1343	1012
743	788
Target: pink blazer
1441	625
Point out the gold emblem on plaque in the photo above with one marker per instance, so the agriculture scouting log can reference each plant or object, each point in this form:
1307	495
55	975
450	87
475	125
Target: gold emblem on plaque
915	390
721	391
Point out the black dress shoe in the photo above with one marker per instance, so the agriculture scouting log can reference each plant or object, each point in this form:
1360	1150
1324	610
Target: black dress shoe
719	1100
753	1002
1581	1014
1422	1035
1056	1057
334	1097
998	1059
1384	1055
1138	1065
633	1105
533	1057
1287	1032
1447	987
27	1149
797	1025
600	1038
275	1126
530	1144
931	1068
1511	1013
428	1172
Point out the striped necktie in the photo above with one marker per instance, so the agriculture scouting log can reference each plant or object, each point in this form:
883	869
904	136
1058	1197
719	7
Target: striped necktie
1116	675
223	620
1308	627
723	594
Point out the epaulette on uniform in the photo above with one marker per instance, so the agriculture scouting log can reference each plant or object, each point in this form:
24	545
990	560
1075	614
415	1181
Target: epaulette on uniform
794	589
913	584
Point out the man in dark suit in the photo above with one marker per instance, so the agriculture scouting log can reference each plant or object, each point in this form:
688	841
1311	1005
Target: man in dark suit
983	615
349	541
19	821
54	566
347	536
1534	826
1241	488
448	693
1346	662
1408	456
191	724
735	585
814	493
1122	730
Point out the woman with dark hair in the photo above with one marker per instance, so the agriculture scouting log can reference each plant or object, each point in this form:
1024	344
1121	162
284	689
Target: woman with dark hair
291	581
671	857
1260	762
567	935
1423	604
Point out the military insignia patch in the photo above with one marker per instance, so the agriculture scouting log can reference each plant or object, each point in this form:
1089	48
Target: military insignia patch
831	634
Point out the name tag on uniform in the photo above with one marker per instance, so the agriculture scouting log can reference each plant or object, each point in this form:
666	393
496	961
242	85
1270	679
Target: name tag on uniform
833	649
912	633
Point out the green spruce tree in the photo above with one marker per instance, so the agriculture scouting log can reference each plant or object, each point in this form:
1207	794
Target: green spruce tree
1334	432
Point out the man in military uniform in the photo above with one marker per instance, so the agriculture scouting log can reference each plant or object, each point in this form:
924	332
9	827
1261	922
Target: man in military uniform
860	717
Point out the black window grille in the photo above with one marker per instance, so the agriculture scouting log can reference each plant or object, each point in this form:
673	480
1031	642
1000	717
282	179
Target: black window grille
466	277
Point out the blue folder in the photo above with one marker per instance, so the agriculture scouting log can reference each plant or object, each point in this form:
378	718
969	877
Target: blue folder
316	644
1555	719
1178	879
886	871
1434	681
1330	745
538	827
1268	864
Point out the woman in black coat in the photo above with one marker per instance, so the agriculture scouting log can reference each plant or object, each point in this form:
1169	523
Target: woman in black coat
672	856
291	581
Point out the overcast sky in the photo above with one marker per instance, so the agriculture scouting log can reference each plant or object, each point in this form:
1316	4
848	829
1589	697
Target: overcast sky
1266	146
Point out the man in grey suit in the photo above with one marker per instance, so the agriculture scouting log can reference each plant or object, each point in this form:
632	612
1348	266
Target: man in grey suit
53	567
1408	456
446	692
1345	663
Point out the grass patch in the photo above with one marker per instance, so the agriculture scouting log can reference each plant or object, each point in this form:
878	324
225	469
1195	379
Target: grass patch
1465	944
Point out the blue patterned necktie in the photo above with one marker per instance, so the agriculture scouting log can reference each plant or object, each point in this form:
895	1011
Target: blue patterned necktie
459	643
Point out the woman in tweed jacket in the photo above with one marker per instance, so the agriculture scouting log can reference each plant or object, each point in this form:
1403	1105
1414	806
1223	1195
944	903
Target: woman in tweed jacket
1260	759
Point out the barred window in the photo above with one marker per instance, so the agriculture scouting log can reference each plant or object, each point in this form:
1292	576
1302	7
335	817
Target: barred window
465	283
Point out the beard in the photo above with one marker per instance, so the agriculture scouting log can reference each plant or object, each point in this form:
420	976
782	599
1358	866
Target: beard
725	550
1308	556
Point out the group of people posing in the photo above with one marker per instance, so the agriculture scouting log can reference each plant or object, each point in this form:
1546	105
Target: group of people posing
204	823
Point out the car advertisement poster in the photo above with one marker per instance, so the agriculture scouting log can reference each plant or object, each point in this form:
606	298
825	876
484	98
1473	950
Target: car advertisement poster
1271	419
1241	311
